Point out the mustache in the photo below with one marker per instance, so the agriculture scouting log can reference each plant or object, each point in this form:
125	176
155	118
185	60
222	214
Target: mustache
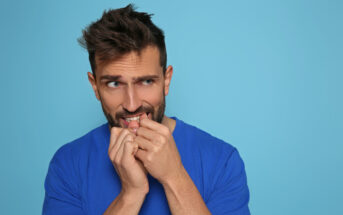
142	109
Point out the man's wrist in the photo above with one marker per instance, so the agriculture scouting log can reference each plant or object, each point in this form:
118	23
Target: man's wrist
133	196
177	179
126	203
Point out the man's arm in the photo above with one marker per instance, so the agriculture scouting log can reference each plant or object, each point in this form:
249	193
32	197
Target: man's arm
183	196
126	204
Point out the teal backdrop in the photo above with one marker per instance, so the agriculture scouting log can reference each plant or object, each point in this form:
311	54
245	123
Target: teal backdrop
265	76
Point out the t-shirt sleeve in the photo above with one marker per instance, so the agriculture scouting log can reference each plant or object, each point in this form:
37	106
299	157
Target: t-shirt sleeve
61	187
230	195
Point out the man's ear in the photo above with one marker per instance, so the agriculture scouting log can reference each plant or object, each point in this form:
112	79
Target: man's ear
167	78
92	81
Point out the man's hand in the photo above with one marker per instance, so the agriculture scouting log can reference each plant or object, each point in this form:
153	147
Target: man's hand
121	151
132	174
155	147
158	152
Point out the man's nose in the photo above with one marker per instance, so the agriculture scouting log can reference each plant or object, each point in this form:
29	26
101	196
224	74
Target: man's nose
131	101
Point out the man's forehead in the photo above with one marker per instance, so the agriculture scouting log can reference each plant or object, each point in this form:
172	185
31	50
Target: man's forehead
132	64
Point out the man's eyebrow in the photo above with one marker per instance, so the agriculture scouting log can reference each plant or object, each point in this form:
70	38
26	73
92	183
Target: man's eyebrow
146	77
110	77
136	79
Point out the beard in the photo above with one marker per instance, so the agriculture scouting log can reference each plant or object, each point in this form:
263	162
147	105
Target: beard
156	115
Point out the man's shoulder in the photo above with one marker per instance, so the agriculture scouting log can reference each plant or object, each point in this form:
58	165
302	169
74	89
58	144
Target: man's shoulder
91	141
199	138
210	161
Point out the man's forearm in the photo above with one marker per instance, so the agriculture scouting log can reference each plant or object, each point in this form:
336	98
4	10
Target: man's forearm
184	197
129	204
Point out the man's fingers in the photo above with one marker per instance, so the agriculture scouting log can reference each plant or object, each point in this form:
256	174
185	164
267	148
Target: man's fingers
115	131
147	133
129	148
118	142
143	116
122	135
155	126
125	137
139	162
142	155
143	143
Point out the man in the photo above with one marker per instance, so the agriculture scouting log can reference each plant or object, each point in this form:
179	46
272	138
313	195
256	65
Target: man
141	161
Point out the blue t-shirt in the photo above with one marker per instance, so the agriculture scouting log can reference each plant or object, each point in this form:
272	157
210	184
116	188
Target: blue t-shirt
82	180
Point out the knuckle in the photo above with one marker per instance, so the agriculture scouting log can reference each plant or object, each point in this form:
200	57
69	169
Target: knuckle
116	161
113	129
135	149
149	158
155	149
111	154
130	137
125	132
165	130
162	139
128	144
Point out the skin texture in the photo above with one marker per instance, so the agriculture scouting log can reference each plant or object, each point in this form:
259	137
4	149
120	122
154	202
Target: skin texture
134	85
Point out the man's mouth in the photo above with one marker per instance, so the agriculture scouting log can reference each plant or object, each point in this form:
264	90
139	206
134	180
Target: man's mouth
134	120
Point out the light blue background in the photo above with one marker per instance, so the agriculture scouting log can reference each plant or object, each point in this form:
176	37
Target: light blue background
265	76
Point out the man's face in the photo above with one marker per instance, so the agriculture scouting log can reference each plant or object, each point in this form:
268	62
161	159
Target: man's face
132	86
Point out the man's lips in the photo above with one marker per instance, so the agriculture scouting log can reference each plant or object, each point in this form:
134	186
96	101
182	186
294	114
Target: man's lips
134	119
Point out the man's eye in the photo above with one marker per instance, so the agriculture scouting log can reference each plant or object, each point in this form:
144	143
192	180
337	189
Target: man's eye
113	84
147	82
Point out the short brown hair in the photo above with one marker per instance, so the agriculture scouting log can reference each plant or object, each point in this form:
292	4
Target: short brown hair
119	32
